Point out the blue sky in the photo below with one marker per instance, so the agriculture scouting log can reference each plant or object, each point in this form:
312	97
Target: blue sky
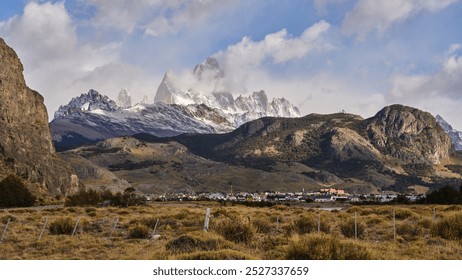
323	55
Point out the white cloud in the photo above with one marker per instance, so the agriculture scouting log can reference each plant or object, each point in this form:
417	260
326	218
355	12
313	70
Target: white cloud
244	60
55	62
321	5
370	15
155	17
280	47
446	82
440	92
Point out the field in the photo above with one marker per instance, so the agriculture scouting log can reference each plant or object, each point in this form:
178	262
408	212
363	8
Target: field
235	232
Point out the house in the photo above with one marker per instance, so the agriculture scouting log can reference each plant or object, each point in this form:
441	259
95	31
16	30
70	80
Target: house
324	198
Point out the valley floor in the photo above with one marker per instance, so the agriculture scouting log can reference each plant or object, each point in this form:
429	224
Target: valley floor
235	232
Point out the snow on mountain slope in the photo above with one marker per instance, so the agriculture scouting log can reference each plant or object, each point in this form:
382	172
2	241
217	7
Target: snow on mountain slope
93	117
456	136
205	107
209	89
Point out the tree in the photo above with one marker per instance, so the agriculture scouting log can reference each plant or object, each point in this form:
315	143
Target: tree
445	195
14	193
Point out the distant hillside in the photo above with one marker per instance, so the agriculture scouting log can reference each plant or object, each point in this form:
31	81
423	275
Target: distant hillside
399	147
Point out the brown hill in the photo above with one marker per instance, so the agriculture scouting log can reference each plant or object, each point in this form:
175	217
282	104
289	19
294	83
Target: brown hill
398	148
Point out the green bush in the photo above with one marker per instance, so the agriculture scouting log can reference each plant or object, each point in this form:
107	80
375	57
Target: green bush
62	226
14	193
450	227
324	247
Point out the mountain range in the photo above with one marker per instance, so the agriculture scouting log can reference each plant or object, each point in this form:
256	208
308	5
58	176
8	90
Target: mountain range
195	139
400	148
92	117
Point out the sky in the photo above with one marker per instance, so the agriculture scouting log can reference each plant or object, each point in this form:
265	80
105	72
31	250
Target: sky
324	56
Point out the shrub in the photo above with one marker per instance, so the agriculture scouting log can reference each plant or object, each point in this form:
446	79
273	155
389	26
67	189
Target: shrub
445	195
138	231
14	193
263	225
84	198
187	244
347	228
409	231
303	225
449	227
323	247
235	230
62	226
226	254
404	213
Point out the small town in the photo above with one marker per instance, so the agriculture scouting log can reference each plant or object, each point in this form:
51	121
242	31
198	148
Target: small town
327	195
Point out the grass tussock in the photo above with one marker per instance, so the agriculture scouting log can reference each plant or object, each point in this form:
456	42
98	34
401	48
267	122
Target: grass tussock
138	231
324	247
226	254
237	231
62	225
450	227
348	229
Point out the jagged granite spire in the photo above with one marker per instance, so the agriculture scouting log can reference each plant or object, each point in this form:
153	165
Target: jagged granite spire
124	100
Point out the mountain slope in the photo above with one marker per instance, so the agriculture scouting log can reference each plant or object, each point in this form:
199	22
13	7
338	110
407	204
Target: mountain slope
208	87
399	147
92	117
25	140
456	136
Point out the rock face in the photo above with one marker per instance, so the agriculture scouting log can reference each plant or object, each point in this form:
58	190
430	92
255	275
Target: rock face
409	134
25	140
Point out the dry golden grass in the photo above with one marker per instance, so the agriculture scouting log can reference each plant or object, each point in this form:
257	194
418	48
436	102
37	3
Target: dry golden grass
235	232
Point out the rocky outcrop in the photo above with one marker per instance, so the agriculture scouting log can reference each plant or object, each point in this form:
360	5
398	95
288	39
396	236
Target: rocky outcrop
409	134
346	144
25	140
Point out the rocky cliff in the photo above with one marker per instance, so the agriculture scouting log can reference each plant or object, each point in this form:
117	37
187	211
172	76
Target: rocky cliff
25	140
409	134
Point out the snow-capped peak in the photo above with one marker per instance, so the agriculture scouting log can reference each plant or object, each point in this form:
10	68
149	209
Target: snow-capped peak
456	136
86	102
209	69
206	87
124	99
145	100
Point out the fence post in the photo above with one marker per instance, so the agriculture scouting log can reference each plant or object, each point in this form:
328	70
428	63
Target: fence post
43	229
319	223
277	223
114	227
434	214
207	219
356	226
394	225
4	231
75	227
154	231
